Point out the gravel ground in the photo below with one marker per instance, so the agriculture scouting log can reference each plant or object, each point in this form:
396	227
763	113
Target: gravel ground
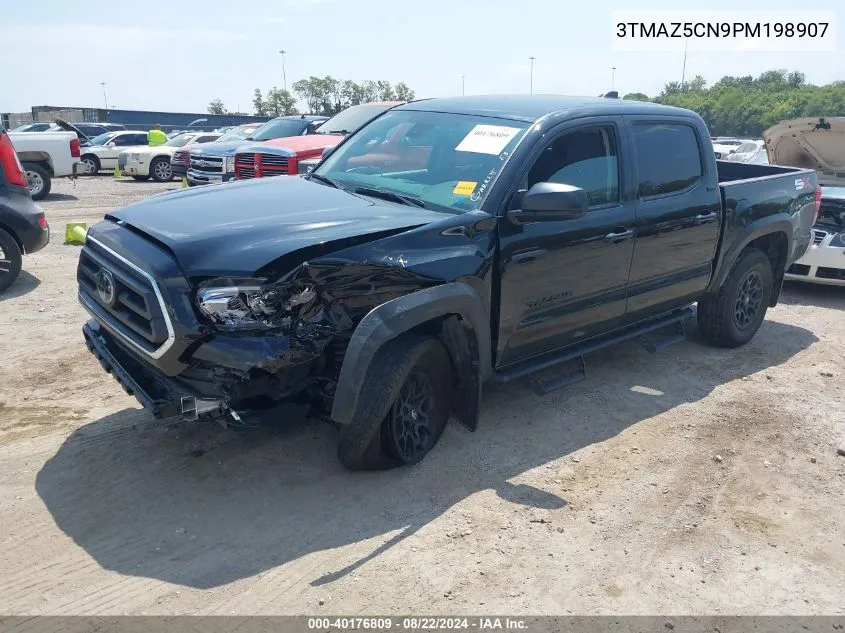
691	481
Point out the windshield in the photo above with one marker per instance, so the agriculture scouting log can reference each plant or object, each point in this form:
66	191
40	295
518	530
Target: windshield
238	133
445	161
279	129
351	119
104	138
180	139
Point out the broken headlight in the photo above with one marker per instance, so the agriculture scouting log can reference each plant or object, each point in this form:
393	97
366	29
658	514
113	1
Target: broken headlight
248	304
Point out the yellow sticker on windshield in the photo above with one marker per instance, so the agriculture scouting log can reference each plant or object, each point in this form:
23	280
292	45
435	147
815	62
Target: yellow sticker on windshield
464	187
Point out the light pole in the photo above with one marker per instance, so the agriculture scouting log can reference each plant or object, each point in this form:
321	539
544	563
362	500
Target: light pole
463	85
284	74
613	77
532	74
684	69
105	100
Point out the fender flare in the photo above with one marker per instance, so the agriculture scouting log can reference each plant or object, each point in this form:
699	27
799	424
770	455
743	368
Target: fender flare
397	316
774	224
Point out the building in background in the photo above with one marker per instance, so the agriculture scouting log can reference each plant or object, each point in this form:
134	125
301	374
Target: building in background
132	119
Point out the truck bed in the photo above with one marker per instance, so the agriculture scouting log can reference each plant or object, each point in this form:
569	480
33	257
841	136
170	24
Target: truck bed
731	172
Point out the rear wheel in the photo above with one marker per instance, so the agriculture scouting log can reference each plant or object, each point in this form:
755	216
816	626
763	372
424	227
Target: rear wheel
10	260
404	405
38	180
732	317
160	169
90	164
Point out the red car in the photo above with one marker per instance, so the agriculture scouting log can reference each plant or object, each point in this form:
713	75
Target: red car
287	156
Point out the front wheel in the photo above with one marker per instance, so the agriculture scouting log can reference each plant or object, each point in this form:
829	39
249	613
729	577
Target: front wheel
160	170
404	405
90	164
732	317
38	180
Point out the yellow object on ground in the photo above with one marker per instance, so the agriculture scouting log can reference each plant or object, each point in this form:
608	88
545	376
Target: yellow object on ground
117	173
184	182
156	137
76	232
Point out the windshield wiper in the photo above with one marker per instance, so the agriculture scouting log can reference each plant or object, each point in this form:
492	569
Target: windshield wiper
324	179
389	195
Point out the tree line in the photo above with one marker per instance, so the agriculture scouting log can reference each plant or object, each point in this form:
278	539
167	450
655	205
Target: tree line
746	106
322	95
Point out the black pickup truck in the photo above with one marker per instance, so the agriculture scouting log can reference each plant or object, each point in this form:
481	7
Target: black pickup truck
447	243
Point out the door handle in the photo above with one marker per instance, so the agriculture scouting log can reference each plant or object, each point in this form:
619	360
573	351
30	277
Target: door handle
704	218
528	256
621	236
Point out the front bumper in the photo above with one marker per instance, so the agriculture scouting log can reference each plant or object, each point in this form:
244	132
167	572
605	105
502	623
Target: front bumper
207	178
135	168
163	396
820	265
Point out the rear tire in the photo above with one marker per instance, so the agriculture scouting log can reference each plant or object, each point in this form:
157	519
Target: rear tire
92	164
732	317
10	260
38	180
404	404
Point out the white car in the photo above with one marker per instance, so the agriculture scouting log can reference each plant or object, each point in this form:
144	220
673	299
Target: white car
105	148
817	143
46	155
154	162
747	152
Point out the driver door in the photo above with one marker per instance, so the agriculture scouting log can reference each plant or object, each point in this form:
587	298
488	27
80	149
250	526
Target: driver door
563	281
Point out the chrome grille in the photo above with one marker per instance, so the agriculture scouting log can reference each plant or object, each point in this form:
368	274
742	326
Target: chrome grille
818	237
136	312
244	172
208	164
245	159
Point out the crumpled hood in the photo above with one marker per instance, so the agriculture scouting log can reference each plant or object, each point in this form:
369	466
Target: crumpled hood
234	229
217	149
812	143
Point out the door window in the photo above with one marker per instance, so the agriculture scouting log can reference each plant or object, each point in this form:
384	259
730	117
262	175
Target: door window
583	158
668	158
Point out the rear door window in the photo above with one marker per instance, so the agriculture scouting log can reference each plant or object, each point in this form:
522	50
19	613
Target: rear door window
668	158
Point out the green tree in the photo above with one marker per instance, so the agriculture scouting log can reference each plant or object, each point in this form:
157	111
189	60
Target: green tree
259	104
215	106
636	96
280	102
403	92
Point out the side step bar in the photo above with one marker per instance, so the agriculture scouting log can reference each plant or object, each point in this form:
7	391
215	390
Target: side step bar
547	361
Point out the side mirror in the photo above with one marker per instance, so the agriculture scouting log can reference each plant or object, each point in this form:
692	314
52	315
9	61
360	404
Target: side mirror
550	201
110	144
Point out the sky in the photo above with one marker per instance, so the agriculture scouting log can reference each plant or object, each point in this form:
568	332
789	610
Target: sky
184	57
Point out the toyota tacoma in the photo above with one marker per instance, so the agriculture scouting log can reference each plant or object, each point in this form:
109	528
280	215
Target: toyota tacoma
539	230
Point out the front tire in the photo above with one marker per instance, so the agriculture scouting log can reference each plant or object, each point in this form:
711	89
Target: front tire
160	169
38	180
10	260
404	404
141	178
732	317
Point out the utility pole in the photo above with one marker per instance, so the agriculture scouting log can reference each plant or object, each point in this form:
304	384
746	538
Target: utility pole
613	78
684	69
105	100
532	74
284	74
463	85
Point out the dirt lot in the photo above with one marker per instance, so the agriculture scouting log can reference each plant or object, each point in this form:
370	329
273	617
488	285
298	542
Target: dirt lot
694	480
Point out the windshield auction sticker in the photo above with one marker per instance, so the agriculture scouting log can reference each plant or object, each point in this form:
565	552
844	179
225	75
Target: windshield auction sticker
487	139
464	187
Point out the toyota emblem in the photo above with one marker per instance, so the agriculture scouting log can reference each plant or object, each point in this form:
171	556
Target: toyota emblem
106	288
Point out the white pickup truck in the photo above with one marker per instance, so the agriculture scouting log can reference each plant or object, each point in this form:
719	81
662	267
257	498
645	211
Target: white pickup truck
44	156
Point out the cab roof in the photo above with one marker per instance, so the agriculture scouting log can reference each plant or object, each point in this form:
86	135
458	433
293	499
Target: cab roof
529	108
